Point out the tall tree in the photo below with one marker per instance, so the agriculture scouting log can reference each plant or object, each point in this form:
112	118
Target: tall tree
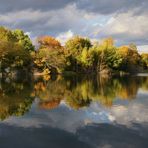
50	54
23	39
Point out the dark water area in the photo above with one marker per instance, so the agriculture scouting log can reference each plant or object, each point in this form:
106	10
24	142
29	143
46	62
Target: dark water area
74	112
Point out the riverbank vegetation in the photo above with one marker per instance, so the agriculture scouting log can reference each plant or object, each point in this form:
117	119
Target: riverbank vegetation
78	55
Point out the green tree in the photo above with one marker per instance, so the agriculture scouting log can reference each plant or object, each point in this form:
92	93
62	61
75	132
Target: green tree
6	35
23	40
78	53
106	57
13	49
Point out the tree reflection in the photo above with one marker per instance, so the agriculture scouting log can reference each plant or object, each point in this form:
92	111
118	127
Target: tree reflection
144	85
129	87
80	92
16	97
50	93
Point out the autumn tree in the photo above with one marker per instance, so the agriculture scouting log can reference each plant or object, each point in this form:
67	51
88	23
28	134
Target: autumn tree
131	60
145	58
6	35
50	54
78	43
13	53
49	42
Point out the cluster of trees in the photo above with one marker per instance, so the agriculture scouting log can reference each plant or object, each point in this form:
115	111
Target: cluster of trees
81	56
50	56
77	55
15	50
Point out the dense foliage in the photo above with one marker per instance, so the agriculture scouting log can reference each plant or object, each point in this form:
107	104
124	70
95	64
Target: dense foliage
15	49
49	56
79	55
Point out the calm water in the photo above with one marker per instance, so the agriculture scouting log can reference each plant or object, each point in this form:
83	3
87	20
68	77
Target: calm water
74	112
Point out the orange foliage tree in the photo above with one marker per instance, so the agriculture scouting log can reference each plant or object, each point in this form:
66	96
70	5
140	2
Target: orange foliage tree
49	42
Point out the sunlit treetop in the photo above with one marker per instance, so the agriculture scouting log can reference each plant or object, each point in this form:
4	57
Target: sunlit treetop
23	39
48	42
108	42
78	43
6	35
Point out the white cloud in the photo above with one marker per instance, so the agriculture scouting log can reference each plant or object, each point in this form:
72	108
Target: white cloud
63	37
133	113
28	33
127	27
143	49
51	22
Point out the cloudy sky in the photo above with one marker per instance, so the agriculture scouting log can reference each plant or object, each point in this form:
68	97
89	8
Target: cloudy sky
125	20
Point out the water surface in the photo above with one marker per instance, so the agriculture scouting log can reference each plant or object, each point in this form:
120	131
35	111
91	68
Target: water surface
89	112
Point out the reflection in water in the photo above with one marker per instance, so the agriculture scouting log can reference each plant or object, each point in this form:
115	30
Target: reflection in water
74	112
80	93
16	97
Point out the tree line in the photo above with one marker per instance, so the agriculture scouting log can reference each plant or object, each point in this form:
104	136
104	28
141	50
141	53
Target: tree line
78	55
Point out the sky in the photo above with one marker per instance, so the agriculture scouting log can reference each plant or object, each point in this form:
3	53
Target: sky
124	20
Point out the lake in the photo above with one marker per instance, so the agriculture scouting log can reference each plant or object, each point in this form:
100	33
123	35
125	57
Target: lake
74	112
